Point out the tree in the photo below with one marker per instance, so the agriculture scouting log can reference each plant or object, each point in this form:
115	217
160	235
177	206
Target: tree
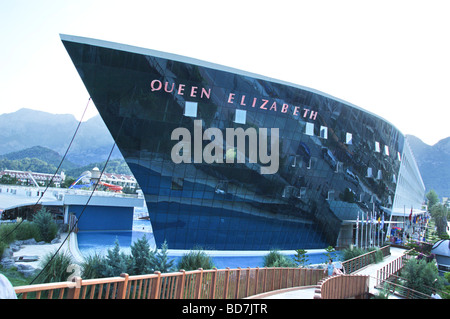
143	257
301	257
433	198
440	215
161	260
421	276
116	262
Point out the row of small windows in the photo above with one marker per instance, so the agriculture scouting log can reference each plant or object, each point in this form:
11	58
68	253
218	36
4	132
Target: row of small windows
240	117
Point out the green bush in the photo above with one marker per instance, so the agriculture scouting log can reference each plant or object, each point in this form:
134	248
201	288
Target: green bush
194	260
141	261
55	267
116	262
46	225
160	259
276	259
92	267
421	276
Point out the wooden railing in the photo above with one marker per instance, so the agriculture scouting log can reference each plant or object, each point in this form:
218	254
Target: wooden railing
392	268
198	284
364	260
343	287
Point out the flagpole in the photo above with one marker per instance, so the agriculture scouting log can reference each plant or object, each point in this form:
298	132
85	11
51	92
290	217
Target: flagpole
357	230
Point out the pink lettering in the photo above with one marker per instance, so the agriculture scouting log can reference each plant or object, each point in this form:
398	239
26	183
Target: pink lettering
205	93
194	91
264	104
156	85
242	100
231	98
274	106
306	112
166	89
296	110
254	102
284	108
313	115
181	89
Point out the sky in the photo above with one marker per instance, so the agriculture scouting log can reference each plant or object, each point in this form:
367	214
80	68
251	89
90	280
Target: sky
391	58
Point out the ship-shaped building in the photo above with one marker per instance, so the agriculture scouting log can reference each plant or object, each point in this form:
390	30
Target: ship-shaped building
229	160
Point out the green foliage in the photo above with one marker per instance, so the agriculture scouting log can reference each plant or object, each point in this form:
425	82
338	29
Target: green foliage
276	259
92	266
301	257
55	267
116	262
353	252
421	276
161	261
46	225
433	198
383	293
10	232
439	213
143	257
195	259
329	253
446	288
141	261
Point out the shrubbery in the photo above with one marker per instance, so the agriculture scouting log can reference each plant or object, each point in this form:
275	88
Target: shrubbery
41	228
142	260
194	260
276	259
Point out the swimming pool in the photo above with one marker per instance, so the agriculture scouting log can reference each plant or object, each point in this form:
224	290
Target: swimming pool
90	242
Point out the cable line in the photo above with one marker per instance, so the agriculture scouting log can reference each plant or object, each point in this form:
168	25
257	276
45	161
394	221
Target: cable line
59	166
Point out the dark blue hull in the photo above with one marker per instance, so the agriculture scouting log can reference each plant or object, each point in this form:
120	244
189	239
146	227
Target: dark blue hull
335	160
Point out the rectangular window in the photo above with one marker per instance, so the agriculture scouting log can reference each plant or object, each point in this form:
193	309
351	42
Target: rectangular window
324	132
379	175
309	129
386	150
377	147
190	109
240	117
369	172
349	139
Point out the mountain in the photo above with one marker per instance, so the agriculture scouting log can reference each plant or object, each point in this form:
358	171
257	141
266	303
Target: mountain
40	153
434	164
27	128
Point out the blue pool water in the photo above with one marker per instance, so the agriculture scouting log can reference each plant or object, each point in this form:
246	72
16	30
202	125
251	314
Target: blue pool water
99	242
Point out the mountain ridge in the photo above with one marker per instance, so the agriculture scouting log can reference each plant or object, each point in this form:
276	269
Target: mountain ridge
27	128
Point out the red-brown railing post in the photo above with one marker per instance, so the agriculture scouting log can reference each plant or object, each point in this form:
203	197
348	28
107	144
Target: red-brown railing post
156	285
238	278
226	283
122	288
256	280
198	284
74	293
247	286
180	285
212	293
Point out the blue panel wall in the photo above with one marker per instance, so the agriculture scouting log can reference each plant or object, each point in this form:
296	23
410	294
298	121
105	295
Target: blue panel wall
103	217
